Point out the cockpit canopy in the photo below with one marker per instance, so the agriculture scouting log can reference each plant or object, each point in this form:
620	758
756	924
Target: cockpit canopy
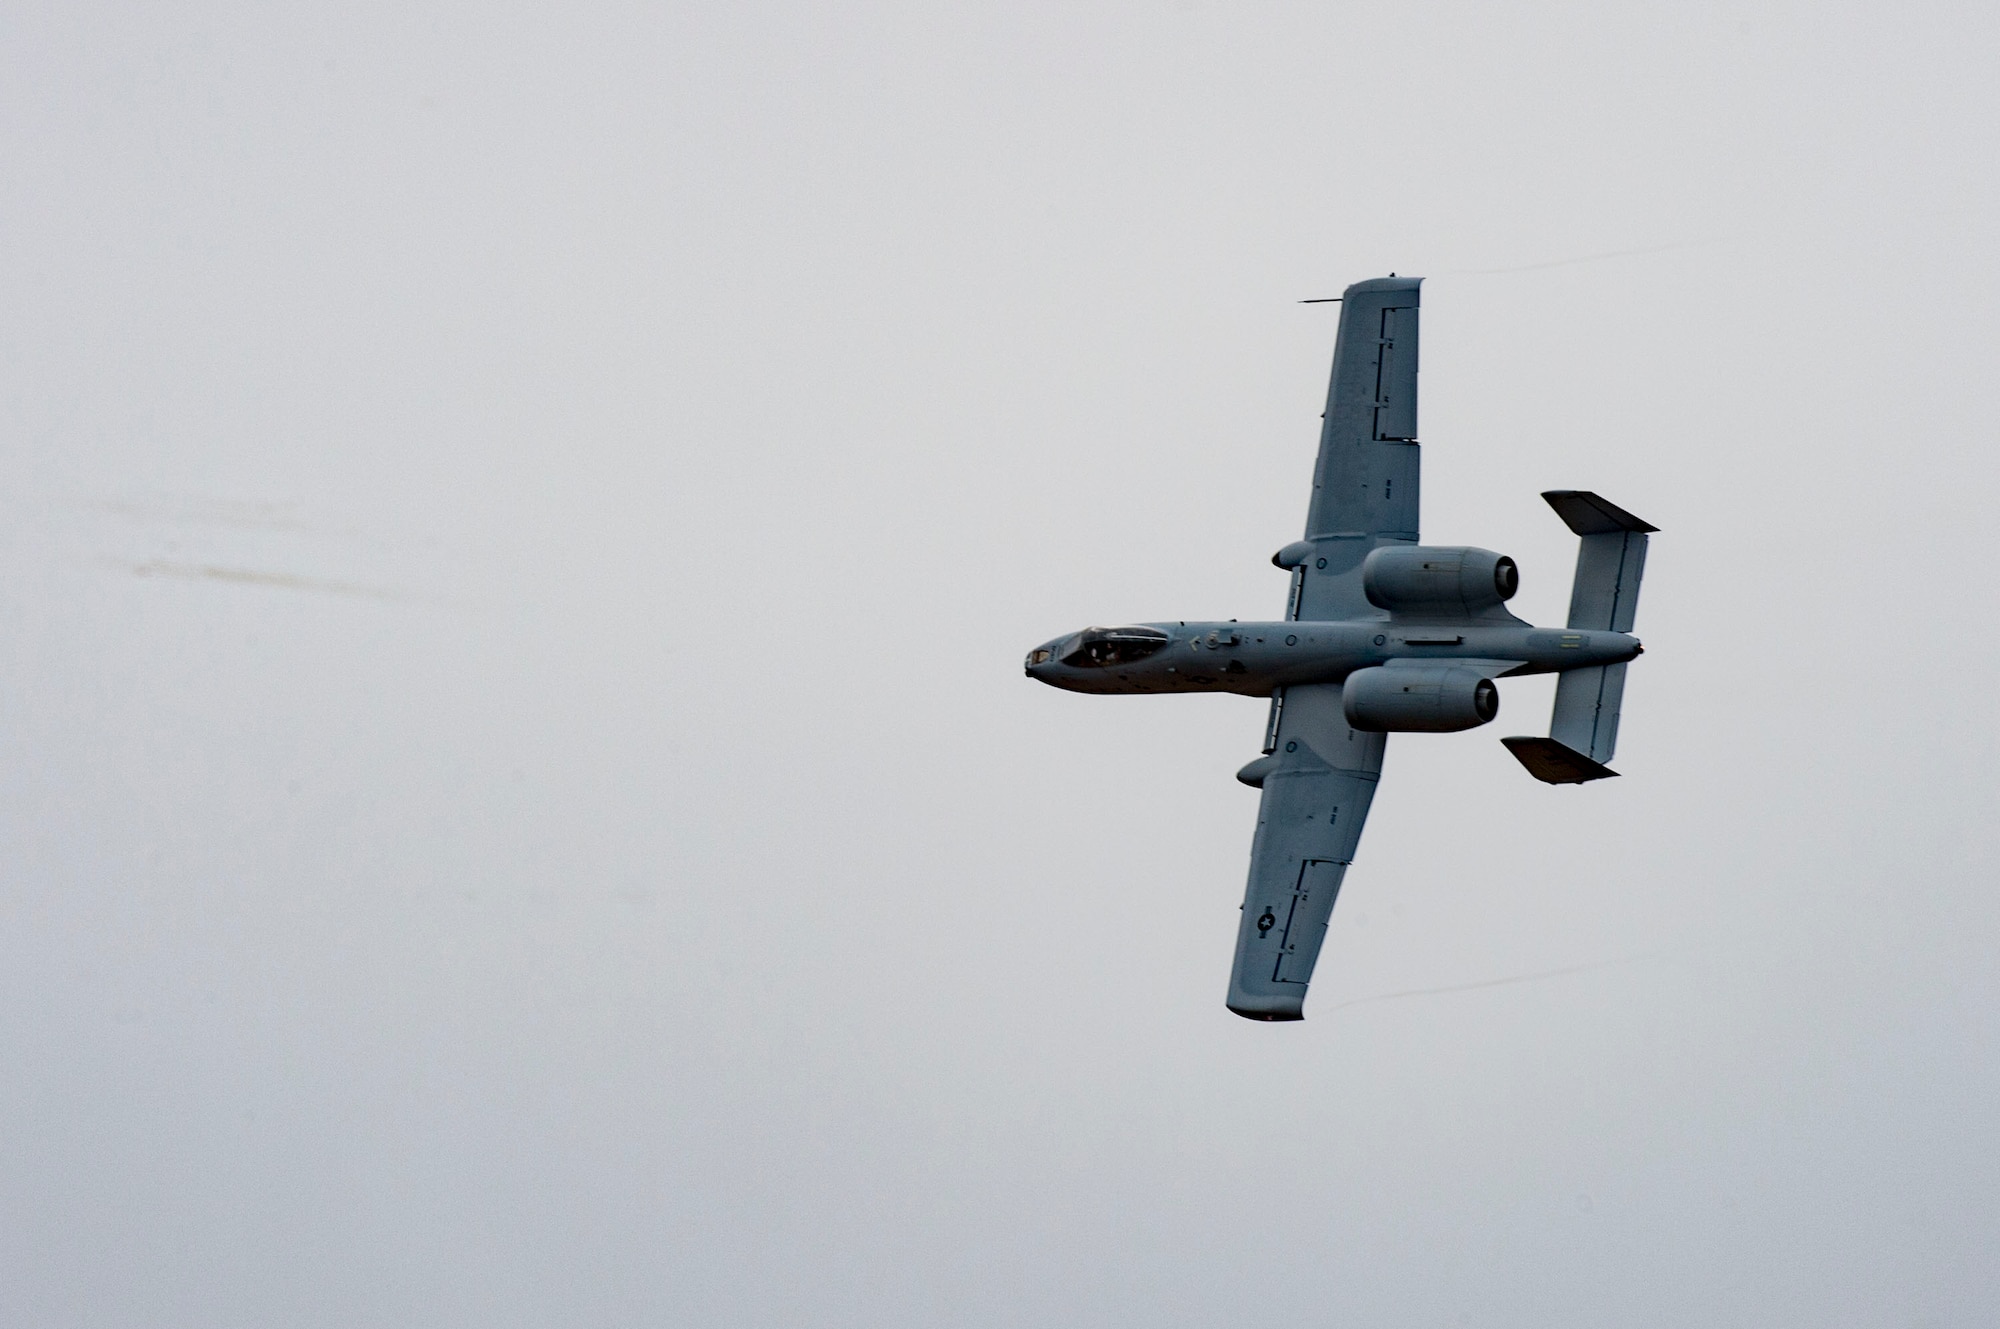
1099	647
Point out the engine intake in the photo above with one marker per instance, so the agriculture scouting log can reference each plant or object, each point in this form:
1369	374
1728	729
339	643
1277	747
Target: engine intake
1438	581
1419	699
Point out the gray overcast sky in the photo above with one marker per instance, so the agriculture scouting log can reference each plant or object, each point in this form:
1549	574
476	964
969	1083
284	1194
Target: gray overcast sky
518	528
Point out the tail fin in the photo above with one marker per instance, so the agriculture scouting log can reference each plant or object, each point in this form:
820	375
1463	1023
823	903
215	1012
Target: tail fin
1605	594
1583	732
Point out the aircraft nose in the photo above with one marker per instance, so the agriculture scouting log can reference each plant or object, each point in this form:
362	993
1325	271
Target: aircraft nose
1038	660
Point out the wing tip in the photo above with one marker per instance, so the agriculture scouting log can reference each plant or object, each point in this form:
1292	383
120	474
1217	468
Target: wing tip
1388	283
1275	1013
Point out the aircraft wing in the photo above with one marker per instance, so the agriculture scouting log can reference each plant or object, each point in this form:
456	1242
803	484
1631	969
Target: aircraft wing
1317	783
1365	484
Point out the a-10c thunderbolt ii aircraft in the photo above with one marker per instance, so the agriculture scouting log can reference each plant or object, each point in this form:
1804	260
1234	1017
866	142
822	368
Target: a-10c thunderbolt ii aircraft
1382	635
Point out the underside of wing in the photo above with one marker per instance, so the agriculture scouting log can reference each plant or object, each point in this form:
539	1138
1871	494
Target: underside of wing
1366	481
1316	790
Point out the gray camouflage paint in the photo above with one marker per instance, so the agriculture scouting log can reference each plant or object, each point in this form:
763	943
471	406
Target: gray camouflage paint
1426	623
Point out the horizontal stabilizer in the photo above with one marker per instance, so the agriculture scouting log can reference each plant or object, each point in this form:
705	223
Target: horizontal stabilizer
1610	563
1554	763
1586	714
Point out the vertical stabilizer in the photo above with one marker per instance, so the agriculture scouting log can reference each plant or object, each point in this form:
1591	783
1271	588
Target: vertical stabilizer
1610	560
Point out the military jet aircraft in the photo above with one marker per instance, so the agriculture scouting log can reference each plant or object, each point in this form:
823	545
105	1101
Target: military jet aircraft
1382	635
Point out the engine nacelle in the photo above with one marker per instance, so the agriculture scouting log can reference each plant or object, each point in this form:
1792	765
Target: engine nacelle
1437	698
1438	581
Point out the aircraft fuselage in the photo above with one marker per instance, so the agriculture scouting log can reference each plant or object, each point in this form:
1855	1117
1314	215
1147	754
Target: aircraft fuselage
1252	659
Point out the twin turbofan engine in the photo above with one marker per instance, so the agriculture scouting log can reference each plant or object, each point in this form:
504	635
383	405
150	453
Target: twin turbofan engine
1412	698
1418	583
1439	583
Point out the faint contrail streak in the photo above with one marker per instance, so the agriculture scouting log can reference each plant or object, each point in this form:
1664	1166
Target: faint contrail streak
184	511
1586	258
247	577
1489	982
